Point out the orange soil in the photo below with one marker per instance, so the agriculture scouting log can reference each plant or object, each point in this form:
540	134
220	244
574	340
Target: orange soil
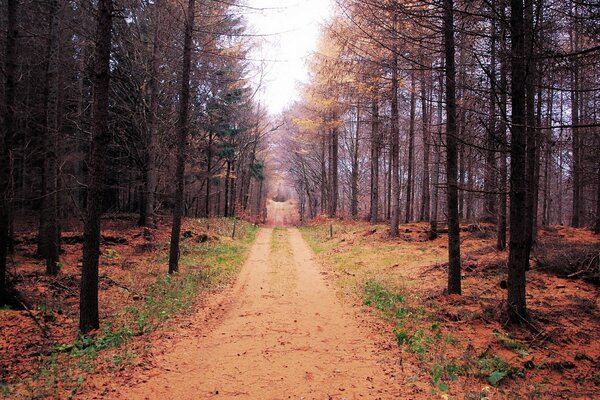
280	332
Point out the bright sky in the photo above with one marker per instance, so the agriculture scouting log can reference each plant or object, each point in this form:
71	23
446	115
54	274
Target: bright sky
290	29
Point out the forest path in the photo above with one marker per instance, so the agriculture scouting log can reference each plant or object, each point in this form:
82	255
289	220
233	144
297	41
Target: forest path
280	333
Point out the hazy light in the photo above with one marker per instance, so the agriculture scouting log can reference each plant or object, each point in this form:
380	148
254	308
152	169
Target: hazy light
290	29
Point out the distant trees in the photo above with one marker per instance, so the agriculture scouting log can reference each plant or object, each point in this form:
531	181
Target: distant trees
523	107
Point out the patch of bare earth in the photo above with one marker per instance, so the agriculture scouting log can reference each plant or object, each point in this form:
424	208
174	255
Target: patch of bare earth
280	332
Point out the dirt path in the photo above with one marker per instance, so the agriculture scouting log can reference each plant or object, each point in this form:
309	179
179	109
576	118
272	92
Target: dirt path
282	334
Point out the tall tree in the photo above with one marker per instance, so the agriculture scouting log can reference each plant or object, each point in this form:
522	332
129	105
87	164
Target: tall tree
147	217
182	134
6	144
375	155
88	300
518	252
49	237
454	278
394	202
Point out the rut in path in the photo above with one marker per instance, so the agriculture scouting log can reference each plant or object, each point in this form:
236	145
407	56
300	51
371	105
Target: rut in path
283	334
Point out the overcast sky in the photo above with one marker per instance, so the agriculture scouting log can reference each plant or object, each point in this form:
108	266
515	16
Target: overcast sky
290	29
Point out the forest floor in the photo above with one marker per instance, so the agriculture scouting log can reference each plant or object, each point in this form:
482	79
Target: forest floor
462	346
41	354
311	315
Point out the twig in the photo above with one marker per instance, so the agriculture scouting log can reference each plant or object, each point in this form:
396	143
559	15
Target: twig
33	317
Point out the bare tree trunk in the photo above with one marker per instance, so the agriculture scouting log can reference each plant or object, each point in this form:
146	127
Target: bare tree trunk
454	278
333	172
576	135
518	252
433	222
531	125
395	149
208	175
411	152
375	154
425	195
88	303
489	212
182	133
503	168
147	217
49	234
227	190
354	177
323	176
10	67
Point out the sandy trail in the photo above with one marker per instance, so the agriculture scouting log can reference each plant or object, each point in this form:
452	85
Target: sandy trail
283	334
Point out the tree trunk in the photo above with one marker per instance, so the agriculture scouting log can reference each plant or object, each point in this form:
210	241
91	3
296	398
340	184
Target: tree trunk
333	171
502	173
375	154
518	252
354	177
49	233
182	133
425	194
489	212
411	152
147	217
395	149
454	279
531	126
433	222
323	176
208	175
10	67
88	304
227	190
576	135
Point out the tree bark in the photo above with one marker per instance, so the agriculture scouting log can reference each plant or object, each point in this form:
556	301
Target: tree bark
395	148
375	155
425	194
10	67
147	217
411	152
433	222
354	177
49	232
454	278
324	184
489	212
518	252
503	144
88	304
182	133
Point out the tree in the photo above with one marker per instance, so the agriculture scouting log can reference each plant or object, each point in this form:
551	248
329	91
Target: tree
88	300
454	278
182	134
7	139
150	182
518	259
49	236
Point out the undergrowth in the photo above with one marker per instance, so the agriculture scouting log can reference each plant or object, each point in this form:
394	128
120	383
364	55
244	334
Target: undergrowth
202	266
417	326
